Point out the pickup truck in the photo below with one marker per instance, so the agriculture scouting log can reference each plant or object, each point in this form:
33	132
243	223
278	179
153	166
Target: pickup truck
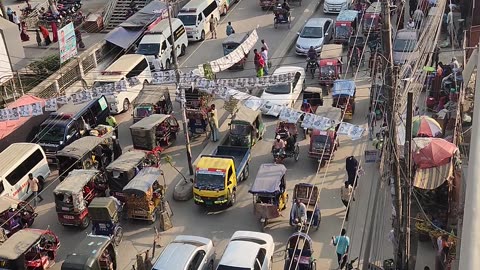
217	175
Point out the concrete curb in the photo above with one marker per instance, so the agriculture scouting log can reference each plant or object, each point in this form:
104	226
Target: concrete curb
290	39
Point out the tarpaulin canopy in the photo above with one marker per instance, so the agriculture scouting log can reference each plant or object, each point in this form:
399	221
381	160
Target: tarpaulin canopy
432	178
133	28
432	152
7	127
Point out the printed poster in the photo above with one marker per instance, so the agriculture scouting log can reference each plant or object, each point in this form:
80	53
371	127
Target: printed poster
51	105
67	42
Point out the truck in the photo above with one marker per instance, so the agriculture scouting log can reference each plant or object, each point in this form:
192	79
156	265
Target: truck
217	175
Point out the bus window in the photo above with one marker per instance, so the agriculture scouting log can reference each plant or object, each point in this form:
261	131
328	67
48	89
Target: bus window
23	169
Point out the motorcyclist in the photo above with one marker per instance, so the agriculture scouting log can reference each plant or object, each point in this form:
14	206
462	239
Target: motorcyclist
312	57
299	213
279	145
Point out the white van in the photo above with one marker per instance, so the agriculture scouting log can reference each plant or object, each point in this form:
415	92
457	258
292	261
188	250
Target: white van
157	43
124	68
335	6
16	162
195	16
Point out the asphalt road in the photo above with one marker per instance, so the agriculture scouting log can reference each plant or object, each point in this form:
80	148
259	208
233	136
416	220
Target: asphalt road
220	225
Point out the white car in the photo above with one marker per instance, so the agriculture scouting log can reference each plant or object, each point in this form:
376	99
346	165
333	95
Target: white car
248	251
316	33
283	94
187	252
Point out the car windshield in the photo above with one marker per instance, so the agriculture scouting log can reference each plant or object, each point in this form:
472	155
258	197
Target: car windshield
327	70
404	45
49	133
238	129
143	111
188	19
210	180
320	141
369	22
148	48
312	32
100	84
278	89
342	31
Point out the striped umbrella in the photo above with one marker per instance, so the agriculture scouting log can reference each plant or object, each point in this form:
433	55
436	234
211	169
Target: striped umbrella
425	126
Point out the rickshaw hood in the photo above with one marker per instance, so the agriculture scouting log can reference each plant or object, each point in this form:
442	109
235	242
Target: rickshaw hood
75	181
7	203
18	243
269	178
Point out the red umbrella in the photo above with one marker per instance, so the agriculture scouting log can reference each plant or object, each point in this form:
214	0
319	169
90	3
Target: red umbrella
432	152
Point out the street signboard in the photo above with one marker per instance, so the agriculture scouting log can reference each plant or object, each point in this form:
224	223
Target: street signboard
67	42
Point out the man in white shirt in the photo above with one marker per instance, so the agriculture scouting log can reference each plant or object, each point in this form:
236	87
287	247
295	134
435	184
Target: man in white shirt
299	213
264	54
345	193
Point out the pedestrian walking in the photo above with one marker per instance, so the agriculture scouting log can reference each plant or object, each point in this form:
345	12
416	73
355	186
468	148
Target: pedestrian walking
54	27
78	37
259	63
418	18
45	34
39	38
213	26
23	34
442	253
16	20
342	244
346	192
351	165
435	57
264	44
412	5
111	121
264	54
10	14
33	184
372	122
230	29
213	122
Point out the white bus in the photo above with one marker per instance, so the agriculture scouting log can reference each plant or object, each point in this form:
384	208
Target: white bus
16	162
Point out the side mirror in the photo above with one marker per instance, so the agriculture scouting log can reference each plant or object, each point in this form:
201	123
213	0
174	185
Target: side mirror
298	33
69	137
229	183
326	34
162	51
229	124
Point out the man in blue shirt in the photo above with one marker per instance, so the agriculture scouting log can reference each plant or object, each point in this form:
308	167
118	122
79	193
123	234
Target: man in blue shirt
342	242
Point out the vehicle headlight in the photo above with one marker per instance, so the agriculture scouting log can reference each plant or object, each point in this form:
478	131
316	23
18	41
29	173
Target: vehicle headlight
61	142
196	31
197	197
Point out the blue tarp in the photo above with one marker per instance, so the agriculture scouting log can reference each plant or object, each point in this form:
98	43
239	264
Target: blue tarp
343	87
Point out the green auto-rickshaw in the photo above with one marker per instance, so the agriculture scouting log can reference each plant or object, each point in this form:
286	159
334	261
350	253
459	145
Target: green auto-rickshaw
246	128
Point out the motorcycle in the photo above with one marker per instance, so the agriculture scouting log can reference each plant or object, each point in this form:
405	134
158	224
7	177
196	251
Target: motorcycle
312	66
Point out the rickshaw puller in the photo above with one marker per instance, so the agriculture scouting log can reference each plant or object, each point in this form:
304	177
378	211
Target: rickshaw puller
279	145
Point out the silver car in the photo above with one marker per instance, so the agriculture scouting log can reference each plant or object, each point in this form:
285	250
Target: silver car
316	32
187	252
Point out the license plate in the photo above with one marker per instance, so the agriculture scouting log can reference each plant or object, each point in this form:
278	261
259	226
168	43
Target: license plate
199	130
65	208
208	202
49	160
68	217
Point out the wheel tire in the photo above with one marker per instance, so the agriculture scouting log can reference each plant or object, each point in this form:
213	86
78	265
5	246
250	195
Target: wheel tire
210	265
233	198
183	50
264	225
126	105
118	235
297	152
202	35
85	223
246	172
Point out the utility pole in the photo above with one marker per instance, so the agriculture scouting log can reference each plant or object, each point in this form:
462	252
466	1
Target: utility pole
182	91
390	83
408	182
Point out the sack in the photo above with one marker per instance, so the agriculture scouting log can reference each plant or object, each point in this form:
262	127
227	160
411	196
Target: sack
269	64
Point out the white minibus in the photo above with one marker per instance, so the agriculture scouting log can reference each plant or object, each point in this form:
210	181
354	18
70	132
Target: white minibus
124	68
16	162
157	43
195	15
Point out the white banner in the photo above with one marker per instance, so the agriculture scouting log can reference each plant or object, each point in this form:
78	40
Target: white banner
13	114
253	103
61	100
25	110
290	115
51	105
3	115
37	109
356	132
236	55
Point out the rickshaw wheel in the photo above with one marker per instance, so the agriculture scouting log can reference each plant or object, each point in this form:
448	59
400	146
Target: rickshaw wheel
289	24
275	25
246	172
264	225
85	223
322	163
154	217
118	235
314	265
297	152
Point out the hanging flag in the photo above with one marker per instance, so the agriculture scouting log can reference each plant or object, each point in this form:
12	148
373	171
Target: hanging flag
61	100
51	105
25	110
13	114
3	115
37	109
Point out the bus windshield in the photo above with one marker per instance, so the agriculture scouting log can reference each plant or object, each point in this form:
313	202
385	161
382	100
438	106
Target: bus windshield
49	133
